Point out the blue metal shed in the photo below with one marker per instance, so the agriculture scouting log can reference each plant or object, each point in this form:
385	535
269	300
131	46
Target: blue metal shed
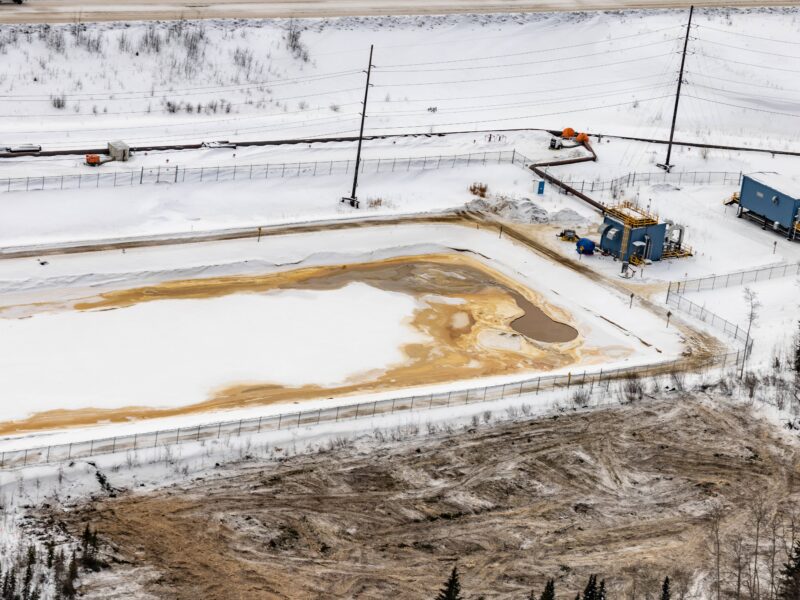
773	200
629	233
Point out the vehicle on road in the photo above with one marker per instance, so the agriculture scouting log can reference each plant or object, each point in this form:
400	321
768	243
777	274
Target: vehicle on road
23	148
219	144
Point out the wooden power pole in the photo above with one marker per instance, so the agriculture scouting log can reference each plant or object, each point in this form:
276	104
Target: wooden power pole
352	199
667	166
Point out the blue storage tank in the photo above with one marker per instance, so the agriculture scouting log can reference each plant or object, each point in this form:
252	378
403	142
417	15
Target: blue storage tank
773	200
585	246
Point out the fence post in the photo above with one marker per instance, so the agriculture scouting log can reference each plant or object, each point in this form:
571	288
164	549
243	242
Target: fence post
259	425
156	442
197	437
538	381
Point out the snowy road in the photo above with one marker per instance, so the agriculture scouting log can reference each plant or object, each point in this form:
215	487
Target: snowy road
67	11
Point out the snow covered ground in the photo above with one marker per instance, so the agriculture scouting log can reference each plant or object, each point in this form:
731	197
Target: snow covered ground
176	352
776	327
602	318
68	86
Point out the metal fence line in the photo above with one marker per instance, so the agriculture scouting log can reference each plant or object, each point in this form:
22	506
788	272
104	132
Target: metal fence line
735	278
681	303
169	437
165	174
177	174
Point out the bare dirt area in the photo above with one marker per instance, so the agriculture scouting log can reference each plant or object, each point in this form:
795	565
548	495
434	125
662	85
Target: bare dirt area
67	11
626	492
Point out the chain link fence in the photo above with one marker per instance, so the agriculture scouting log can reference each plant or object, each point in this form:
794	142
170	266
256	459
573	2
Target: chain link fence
166	174
693	309
176	174
619	185
735	278
169	437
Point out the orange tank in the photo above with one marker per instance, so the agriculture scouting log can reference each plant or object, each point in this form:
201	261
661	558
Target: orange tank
568	133
93	159
582	137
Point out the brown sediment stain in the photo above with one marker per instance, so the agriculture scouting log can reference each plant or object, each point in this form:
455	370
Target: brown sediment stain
478	322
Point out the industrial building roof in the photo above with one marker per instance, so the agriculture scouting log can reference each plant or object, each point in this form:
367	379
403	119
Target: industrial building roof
780	183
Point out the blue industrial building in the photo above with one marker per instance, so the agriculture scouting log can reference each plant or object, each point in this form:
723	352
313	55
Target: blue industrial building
631	234
772	200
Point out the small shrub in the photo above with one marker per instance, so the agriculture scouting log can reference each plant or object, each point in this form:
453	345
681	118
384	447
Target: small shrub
632	389
479	189
59	101
580	397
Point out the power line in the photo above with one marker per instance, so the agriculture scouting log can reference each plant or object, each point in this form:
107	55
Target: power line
756	37
728	60
758	96
205	135
559	100
525	93
763	110
737	81
270	99
619	62
206	89
519	64
165	125
516	118
535	51
743	49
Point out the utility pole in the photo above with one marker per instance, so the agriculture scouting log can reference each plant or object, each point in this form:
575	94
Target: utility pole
352	199
667	166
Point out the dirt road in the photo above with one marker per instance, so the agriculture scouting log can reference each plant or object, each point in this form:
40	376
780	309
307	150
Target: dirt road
67	11
624	492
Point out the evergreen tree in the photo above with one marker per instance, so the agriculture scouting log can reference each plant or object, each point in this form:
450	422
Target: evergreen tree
452	588
26	582
789	584
665	592
51	551
601	591
72	571
590	593
12	585
549	592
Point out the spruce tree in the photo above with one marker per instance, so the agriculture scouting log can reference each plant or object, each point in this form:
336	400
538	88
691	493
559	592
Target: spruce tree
665	592
789	584
452	588
601	591
549	592
590	593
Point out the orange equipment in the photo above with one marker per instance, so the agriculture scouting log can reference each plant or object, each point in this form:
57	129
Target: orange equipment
582	138
93	160
568	133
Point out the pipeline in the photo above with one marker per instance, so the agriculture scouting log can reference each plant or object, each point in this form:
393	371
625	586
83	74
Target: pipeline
538	168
